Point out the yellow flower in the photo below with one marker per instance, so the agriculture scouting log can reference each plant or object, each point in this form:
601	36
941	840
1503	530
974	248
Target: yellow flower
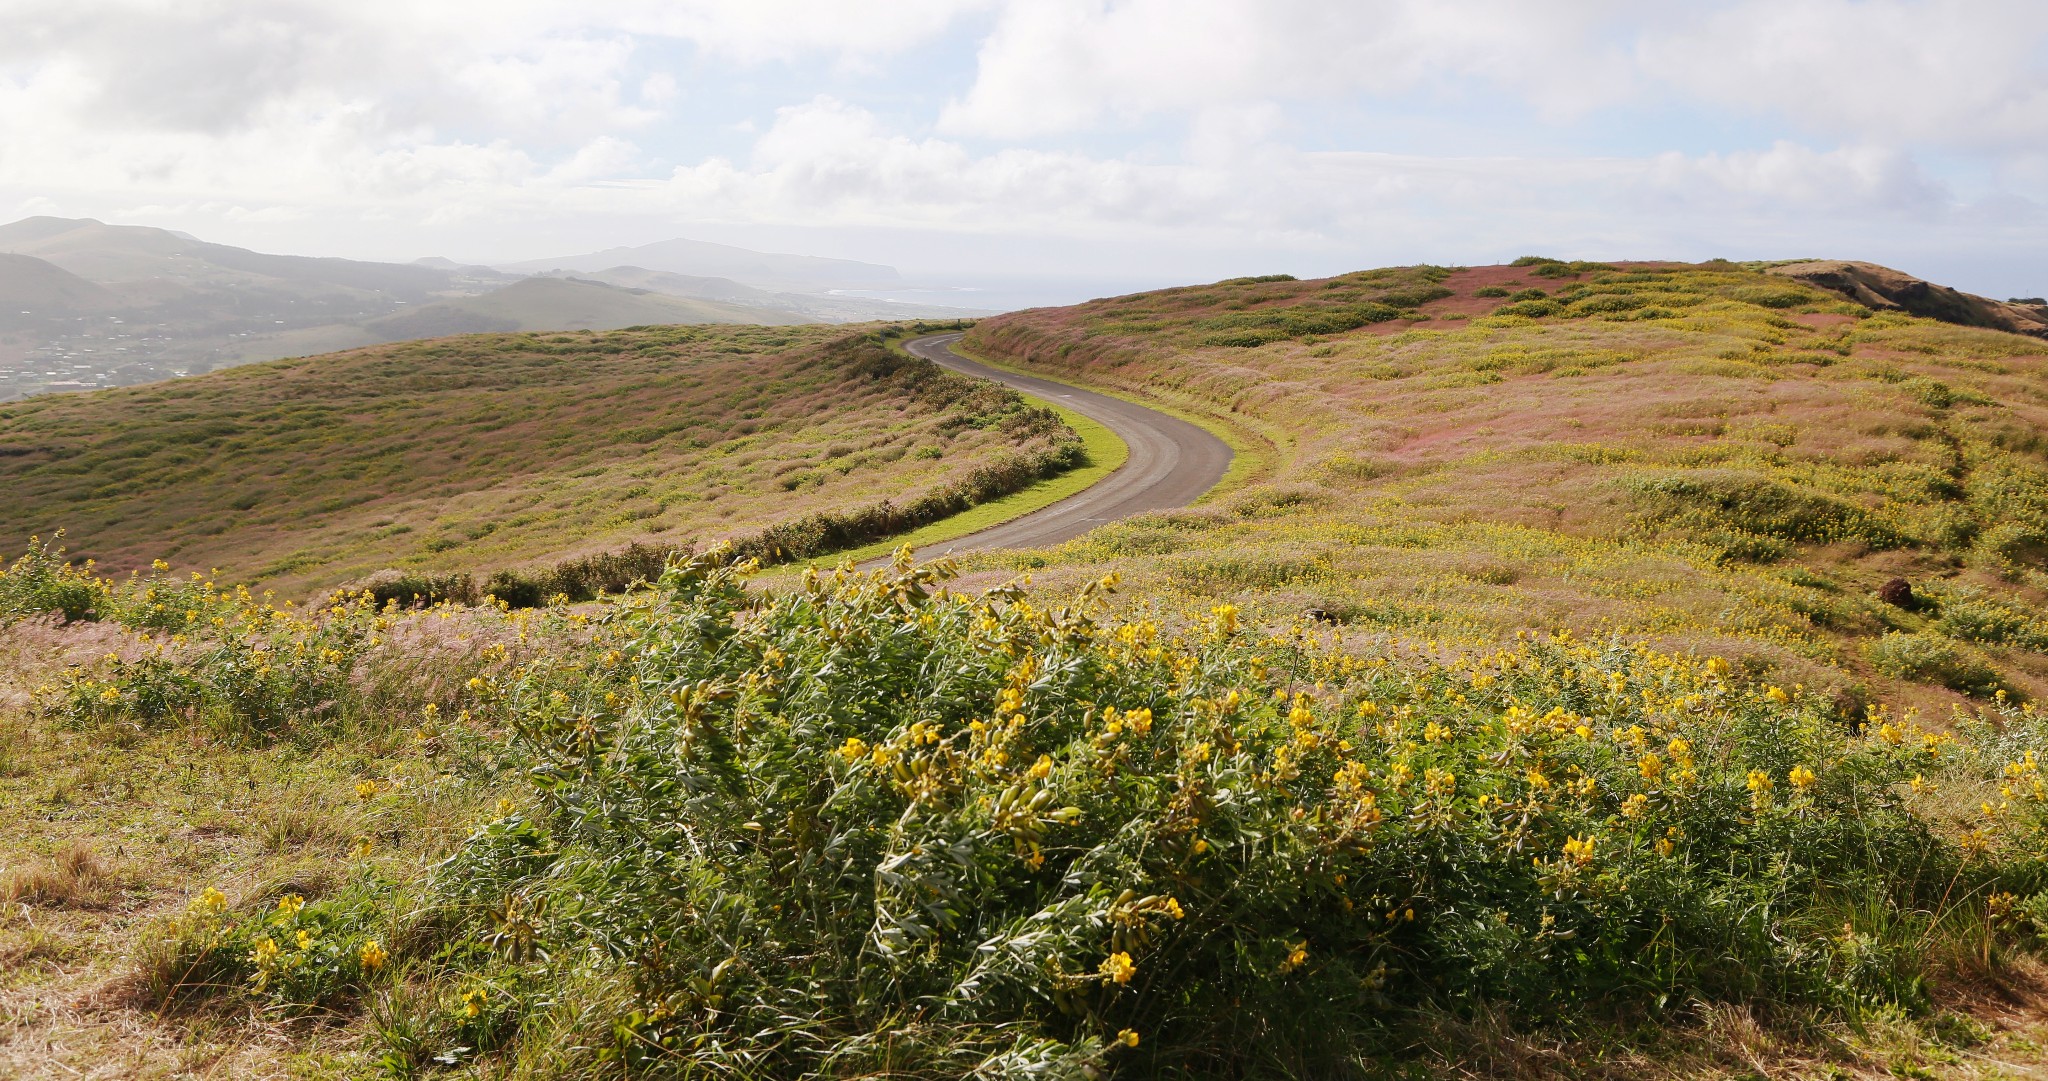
1200	846
1173	909
1128	1038
1921	786
1579	850
1297	955
1117	968
1665	846
1890	733
288	907
265	953
473	1002
1776	694
372	955
1801	778
1040	769
366	789
1140	721
304	940
506	806
210	902
1435	733
853	750
1650	766
1225	616
1635	806
1759	781
1583	732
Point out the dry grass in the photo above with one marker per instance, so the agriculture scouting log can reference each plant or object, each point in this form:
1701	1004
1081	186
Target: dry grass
478	453
73	878
105	835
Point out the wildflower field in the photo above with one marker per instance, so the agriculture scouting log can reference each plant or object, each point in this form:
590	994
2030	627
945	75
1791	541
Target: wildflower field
870	824
1638	681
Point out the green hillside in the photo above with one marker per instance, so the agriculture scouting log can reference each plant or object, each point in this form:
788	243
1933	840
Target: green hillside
482	453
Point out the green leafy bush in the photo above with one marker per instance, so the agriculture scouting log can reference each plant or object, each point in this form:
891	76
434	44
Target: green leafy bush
43	581
240	666
1726	502
872	824
1973	617
297	955
1926	658
1773	296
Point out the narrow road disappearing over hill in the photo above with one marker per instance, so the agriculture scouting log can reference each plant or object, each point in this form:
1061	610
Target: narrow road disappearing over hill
1172	462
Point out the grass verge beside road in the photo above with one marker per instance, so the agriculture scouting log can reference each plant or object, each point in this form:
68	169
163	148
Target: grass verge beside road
1104	452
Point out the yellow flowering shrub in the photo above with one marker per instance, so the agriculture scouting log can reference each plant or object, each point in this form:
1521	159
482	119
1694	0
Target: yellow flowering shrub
790	813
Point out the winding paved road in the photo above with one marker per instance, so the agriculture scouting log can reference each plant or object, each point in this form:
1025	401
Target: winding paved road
1172	462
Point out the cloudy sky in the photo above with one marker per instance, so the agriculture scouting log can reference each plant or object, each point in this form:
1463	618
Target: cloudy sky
1140	141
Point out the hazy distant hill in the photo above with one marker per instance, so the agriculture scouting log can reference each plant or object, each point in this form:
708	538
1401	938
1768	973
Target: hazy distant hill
766	270
679	285
117	254
86	304
563	304
29	285
813	307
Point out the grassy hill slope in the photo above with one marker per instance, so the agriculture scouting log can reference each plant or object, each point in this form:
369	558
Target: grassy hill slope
564	304
1312	803
1708	455
483	452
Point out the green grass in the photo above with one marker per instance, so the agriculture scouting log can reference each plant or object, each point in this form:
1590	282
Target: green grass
1103	453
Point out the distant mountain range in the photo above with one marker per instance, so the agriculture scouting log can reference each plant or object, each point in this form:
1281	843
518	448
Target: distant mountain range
86	304
786	273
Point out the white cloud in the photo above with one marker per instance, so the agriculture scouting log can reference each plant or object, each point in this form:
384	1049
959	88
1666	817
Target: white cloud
1052	66
1969	73
1955	73
1792	177
1151	124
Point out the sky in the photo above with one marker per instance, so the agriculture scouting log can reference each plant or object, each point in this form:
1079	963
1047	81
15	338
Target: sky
1080	144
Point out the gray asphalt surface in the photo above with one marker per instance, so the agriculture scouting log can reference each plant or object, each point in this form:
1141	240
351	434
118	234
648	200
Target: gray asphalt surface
1172	462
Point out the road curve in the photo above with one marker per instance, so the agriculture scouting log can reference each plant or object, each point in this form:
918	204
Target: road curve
1171	464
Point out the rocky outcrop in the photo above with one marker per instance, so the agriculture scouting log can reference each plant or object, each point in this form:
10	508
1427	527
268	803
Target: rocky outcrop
1886	289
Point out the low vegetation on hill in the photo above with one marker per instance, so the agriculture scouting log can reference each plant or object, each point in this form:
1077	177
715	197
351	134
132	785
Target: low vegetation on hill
1608	671
496	452
867	824
1710	456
